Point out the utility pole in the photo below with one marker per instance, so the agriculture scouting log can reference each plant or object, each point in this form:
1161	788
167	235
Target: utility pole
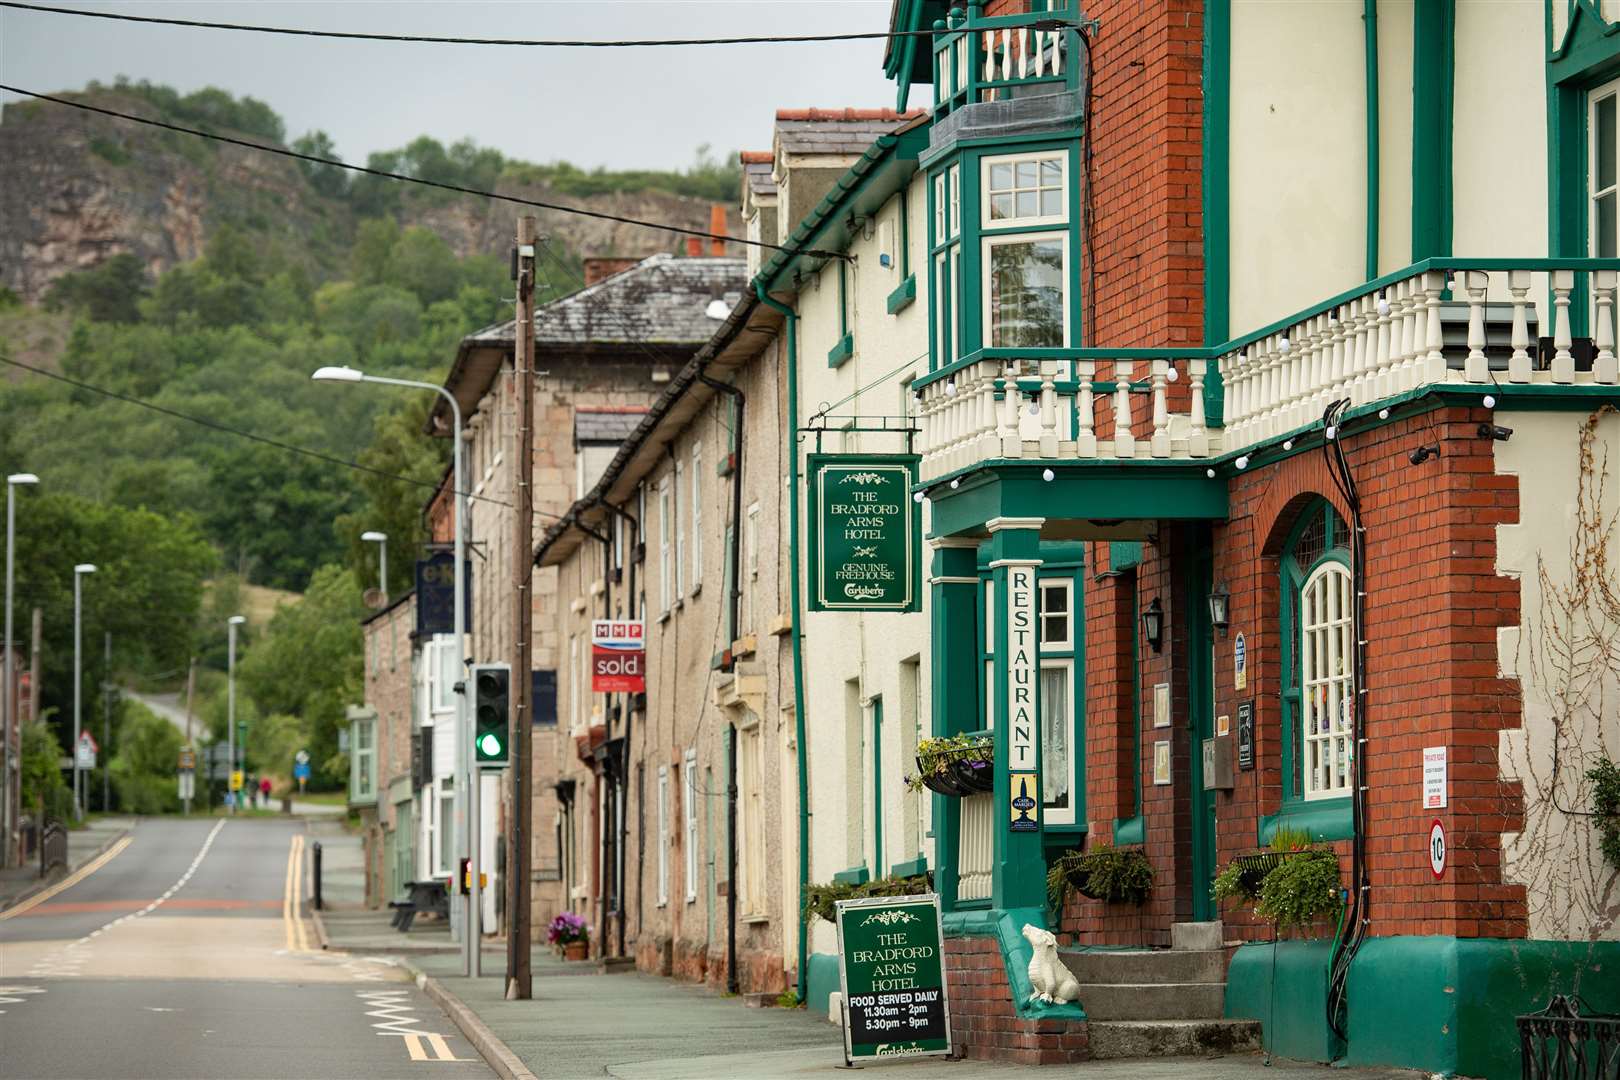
519	979
106	722
191	688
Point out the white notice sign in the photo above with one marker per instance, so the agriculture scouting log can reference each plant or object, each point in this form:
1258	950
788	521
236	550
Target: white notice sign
1434	777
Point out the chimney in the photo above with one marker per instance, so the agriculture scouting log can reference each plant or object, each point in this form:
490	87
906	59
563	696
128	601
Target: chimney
694	247
717	225
606	266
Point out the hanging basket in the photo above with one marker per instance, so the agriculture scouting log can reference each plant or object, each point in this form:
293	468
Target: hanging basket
943	783
974	779
955	766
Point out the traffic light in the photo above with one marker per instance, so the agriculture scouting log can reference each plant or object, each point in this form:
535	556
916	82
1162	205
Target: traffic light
492	696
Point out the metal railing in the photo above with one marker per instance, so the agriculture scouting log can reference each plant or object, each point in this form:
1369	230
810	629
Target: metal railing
1564	1042
53	847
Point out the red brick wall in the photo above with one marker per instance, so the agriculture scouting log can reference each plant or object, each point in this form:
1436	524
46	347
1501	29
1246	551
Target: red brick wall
984	1022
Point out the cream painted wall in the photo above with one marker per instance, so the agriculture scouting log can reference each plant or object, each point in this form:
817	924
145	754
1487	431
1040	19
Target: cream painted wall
1499	131
872	649
1394	134
1573	893
1298	153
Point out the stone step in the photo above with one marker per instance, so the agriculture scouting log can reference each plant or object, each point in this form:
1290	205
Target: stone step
1146	965
1197	935
1171	1038
1153	1001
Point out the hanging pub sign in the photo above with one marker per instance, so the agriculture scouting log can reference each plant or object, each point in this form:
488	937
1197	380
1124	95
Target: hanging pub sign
865	533
893	978
618	657
436	594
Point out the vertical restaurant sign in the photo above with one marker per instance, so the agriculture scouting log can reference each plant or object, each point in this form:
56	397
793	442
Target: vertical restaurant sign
893	977
618	657
1022	713
436	594
865	533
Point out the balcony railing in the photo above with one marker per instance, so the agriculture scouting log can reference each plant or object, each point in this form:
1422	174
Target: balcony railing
1460	322
978	59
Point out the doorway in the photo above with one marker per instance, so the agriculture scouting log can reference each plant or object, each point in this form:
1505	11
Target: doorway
1201	719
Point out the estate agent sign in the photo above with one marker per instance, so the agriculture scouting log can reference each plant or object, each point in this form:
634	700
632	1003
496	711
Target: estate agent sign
893	978
865	533
618	657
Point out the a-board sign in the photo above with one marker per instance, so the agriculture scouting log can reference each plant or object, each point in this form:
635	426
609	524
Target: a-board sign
893	978
865	534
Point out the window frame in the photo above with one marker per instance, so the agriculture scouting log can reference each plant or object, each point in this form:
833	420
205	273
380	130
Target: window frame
697	517
1006	239
666	524
690	815
986	193
1063	570
1066	584
663	835
363	761
1608	91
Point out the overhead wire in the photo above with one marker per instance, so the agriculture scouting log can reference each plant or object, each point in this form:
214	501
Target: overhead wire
436	39
228	430
336	163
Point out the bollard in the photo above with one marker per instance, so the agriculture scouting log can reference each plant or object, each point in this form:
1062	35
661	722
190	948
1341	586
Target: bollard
317	875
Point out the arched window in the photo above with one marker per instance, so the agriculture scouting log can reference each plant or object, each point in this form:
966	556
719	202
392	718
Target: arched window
1318	641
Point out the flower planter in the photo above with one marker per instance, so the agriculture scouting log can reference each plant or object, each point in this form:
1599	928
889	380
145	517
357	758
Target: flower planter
943	783
577	950
974	780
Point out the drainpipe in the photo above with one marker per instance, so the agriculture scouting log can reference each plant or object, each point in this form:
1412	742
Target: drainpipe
1369	25
735	598
614	800
731	859
796	634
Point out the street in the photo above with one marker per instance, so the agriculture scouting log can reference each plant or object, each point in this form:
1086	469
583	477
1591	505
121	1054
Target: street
185	951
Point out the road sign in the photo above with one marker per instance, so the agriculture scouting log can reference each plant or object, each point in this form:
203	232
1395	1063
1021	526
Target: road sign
236	779
188	759
1437	849
302	757
85	756
301	770
188	784
893	978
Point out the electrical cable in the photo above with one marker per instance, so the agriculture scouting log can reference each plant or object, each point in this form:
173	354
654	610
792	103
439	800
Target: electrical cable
403	178
550	43
226	429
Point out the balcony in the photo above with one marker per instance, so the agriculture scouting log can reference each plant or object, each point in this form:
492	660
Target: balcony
1471	326
1006	74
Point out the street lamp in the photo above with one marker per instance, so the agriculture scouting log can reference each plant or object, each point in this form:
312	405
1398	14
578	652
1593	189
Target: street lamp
466	786
230	705
1153	624
381	540
78	576
10	787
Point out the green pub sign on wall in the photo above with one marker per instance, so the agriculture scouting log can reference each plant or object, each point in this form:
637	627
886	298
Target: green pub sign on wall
865	533
893	977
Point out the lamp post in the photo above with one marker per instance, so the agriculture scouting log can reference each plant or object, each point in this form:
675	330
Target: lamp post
78	618
230	706
381	540
10	763
466	786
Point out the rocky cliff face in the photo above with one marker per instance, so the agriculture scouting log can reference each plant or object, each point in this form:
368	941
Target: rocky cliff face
77	188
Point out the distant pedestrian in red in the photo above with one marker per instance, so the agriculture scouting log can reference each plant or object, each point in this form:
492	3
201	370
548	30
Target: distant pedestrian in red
264	789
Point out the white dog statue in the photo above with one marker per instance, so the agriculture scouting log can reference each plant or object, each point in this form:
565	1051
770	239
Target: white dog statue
1054	983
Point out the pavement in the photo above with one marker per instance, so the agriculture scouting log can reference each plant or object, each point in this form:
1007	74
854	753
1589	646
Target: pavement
18	883
184	950
581	1023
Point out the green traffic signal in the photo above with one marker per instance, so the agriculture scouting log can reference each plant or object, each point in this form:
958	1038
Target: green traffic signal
491	709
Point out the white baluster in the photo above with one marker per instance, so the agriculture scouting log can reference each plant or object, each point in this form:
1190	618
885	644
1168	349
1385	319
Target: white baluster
1006	55
1197	434
1023	53
1124	440
1160	445
1085	437
1477	368
1563	363
1040	52
986	439
1434	359
1411	335
1012	439
1355	349
1519	362
1604	366
989	56
1049	435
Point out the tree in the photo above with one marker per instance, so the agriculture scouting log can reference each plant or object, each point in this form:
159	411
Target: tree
110	292
143	768
329	180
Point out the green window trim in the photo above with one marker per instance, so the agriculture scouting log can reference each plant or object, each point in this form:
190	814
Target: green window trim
877	781
1066	566
841	352
855	875
904	296
1326	818
1434	39
910	868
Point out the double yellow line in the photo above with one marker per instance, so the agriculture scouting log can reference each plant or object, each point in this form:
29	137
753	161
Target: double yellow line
71	880
292	897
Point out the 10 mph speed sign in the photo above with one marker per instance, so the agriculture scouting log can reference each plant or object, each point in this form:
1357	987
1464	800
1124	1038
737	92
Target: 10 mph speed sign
1437	849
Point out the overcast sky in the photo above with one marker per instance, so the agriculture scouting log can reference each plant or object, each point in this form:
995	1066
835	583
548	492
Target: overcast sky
621	108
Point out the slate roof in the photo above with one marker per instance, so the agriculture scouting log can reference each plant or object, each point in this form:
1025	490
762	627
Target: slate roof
757	166
835	131
663	299
605	426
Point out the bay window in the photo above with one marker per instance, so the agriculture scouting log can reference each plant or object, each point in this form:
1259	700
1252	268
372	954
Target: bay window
1026	294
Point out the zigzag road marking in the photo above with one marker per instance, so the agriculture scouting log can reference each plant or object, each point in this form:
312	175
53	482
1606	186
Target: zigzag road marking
15	995
391	1006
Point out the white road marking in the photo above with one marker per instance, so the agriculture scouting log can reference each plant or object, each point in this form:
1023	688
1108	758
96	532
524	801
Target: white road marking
14	995
68	882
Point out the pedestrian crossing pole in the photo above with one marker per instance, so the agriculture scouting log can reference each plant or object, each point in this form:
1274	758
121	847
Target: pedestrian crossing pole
519	982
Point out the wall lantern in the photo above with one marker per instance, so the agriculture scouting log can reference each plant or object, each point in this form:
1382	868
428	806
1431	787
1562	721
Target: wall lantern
1153	624
1219	603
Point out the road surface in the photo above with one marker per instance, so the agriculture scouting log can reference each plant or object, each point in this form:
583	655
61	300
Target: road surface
185	951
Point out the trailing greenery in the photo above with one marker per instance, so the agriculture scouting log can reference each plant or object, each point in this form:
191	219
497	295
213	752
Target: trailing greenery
1605	777
821	901
1111	874
1302	889
42	781
935	756
143	769
1243	876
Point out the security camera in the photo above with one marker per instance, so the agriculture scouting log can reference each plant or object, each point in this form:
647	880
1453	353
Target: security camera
1423	453
1495	431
